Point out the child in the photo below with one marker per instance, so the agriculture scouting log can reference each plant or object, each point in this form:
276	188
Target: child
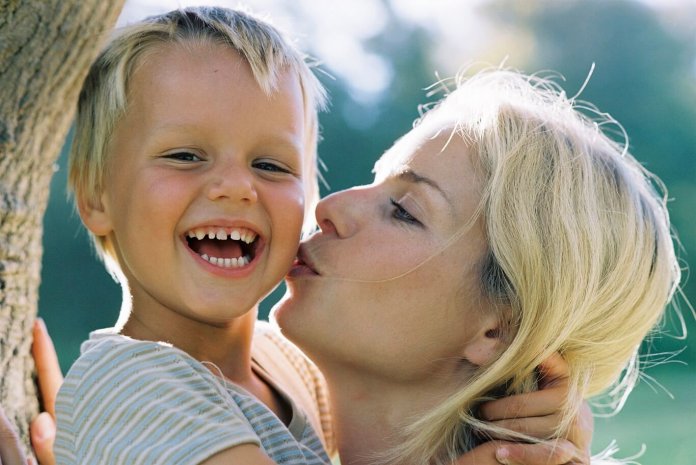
194	153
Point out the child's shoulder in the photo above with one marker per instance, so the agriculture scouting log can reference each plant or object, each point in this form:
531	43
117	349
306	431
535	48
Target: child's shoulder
110	358
107	347
121	388
109	340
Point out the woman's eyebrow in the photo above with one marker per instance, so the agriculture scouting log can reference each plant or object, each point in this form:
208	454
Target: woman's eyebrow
411	176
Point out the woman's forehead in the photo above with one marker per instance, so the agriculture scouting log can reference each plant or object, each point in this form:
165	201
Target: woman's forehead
423	140
420	146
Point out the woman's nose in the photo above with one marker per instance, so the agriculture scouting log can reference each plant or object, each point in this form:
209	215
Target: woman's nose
340	213
232	182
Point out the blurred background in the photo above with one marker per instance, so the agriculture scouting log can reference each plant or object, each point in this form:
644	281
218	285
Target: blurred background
379	56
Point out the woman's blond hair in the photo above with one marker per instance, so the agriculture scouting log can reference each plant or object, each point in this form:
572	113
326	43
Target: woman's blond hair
581	258
104	96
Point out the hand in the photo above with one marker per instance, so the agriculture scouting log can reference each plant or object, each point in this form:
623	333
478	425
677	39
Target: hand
538	414
43	428
555	452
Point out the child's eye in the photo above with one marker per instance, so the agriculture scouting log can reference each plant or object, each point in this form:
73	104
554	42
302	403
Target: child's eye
270	167
401	214
183	156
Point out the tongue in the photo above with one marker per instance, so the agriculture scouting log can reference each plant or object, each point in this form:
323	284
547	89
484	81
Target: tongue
219	249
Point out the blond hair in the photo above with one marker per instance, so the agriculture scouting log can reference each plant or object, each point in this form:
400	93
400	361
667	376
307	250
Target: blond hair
104	96
581	258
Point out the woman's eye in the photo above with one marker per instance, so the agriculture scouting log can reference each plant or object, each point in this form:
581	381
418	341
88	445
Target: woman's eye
401	214
270	166
183	156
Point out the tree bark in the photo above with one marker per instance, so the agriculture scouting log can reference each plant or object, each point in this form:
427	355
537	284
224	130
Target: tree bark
46	47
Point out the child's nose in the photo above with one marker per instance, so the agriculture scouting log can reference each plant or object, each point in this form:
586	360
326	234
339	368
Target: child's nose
233	182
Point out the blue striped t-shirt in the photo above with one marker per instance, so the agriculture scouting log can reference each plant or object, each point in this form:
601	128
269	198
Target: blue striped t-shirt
126	401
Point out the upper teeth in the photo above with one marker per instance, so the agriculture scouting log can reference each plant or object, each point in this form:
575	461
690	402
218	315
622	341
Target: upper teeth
223	234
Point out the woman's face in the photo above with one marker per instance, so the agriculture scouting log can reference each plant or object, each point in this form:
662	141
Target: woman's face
391	283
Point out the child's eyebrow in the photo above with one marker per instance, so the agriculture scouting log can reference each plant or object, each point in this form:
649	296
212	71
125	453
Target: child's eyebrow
284	142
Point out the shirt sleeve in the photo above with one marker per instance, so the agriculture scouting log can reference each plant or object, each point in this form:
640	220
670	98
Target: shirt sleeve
144	403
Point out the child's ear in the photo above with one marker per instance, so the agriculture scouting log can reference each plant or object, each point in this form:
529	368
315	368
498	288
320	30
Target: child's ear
95	215
487	344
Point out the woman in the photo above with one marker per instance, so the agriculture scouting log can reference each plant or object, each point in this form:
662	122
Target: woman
503	228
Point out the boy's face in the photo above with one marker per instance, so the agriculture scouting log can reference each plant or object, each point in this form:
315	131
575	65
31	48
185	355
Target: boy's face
203	198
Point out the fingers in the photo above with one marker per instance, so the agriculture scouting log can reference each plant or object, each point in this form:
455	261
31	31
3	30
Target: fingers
547	407
536	413
10	449
537	427
557	452
547	400
481	455
43	434
553	372
47	367
531	404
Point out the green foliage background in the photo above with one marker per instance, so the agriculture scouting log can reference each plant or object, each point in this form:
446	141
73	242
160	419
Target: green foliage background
645	77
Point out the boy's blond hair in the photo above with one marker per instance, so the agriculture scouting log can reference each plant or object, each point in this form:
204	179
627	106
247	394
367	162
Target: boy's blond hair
581	259
104	96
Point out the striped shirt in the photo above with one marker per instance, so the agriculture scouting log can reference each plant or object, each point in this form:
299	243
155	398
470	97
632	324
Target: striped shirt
126	401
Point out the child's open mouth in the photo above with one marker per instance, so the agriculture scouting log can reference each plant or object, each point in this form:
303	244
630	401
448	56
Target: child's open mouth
224	247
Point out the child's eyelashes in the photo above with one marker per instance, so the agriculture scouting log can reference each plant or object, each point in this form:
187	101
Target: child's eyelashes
183	156
273	167
401	214
267	167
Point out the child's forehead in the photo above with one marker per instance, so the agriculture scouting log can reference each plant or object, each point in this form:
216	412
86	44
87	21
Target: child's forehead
181	54
171	73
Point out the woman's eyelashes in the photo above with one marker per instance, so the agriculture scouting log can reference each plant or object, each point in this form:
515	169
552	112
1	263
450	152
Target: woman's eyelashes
401	214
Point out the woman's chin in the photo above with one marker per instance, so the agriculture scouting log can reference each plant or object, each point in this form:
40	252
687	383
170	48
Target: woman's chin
286	313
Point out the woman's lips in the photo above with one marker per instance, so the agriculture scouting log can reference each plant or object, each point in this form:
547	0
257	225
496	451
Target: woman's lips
302	266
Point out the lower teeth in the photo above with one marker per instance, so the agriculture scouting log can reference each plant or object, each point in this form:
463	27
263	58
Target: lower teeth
227	262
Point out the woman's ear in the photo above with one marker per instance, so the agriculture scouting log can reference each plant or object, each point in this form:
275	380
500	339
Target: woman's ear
94	213
487	344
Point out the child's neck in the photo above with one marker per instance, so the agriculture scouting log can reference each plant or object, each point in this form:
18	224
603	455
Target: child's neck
226	346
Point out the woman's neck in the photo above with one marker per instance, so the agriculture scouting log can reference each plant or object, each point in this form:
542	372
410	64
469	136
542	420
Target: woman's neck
370	413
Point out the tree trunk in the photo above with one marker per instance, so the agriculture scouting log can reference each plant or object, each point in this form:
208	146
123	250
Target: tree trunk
46	47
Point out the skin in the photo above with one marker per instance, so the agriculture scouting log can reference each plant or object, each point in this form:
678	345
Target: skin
193	151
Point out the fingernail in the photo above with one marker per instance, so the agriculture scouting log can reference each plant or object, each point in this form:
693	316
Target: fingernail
502	455
42	426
